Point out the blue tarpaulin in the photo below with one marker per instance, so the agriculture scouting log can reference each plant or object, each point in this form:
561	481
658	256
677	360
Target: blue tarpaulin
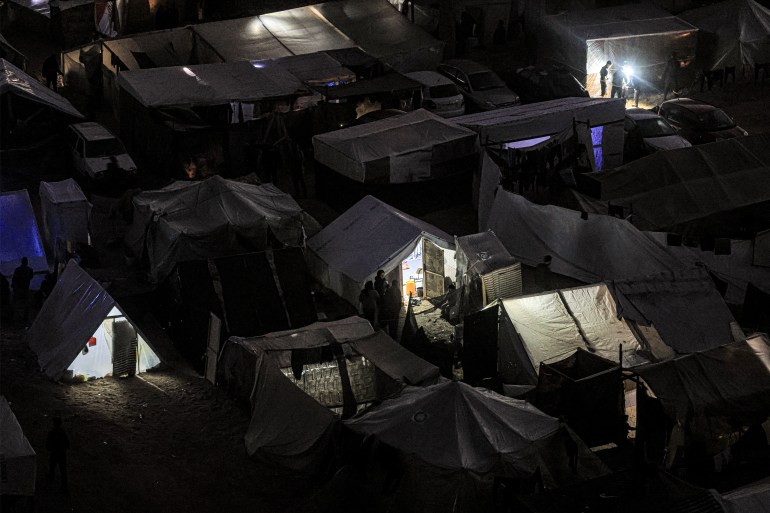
19	236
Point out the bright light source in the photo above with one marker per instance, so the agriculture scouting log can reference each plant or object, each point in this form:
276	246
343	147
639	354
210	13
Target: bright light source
258	64
188	71
628	71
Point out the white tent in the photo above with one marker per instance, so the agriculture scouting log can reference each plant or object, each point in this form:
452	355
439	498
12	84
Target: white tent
19	460
590	250
15	81
212	218
551	326
65	211
409	148
369	236
82	330
752	498
19	236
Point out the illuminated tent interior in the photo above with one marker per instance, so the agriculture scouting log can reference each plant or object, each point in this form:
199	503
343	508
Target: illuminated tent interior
19	236
81	332
299	382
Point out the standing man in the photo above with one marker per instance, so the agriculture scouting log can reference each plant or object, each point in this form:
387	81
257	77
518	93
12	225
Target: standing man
392	303
51	71
671	76
603	76
57	444
618	77
22	276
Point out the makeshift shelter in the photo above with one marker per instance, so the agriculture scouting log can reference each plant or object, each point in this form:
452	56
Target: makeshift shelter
486	270
19	236
752	498
545	328
24	99
714	393
530	232
640	34
738	39
586	391
18	456
67	23
452	440
371	236
82	332
299	382
9	53
717	190
65	211
212	218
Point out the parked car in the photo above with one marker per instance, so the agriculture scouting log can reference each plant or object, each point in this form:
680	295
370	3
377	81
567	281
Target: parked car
439	94
647	132
481	87
542	83
699	122
99	156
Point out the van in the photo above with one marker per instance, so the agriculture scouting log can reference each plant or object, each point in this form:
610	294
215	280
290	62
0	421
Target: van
98	155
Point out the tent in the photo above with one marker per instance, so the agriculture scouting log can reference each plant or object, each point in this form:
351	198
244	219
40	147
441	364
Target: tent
590	250
370	236
742	38
452	440
414	147
18	456
705	190
82	332
19	236
641	34
299	382
752	498
714	393
212	218
545	328
15	82
486	270
11	54
65	211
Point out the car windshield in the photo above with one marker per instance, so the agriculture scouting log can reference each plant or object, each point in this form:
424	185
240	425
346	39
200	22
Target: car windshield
485	80
654	127
715	120
444	91
104	148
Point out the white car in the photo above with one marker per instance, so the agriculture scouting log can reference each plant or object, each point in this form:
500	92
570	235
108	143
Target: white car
439	94
98	154
647	132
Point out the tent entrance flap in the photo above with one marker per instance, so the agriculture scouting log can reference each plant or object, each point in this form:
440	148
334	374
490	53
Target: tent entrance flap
433	269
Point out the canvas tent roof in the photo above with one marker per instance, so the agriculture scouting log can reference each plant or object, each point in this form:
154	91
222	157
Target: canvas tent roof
69	317
314	67
242	39
370	235
743	37
551	326
730	381
752	498
19	236
174	47
206	219
208	84
670	188
591	250
65	211
484	252
541	119
289	427
15	81
19	458
354	151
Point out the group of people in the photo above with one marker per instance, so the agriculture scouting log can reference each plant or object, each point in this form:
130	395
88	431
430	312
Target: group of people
381	303
624	85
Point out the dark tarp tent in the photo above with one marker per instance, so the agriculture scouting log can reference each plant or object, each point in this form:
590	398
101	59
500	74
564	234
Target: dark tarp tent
19	461
299	382
66	213
452	440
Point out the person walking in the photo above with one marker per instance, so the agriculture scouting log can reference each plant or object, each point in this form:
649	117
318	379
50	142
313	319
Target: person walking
671	76
392	303
51	72
22	276
369	298
57	444
603	77
618	78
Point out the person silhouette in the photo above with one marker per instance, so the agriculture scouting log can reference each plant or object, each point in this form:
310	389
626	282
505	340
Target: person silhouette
57	444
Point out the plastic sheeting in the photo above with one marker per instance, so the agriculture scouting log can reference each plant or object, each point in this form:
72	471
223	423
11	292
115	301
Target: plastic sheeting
680	190
242	39
288	427
207	84
19	236
590	250
395	150
18	458
483	252
65	211
73	313
549	327
15	81
733	33
753	498
686	309
212	218
369	236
